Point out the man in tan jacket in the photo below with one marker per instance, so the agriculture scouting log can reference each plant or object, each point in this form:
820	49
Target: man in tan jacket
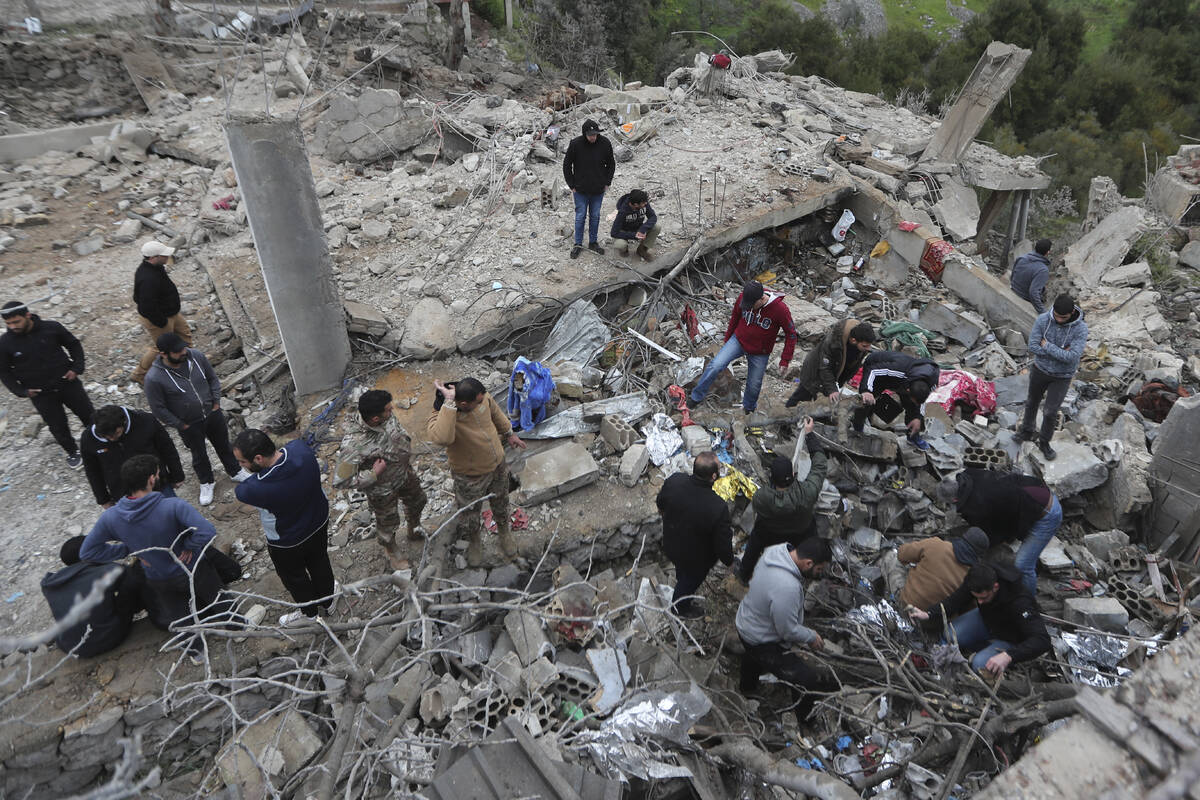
939	567
468	422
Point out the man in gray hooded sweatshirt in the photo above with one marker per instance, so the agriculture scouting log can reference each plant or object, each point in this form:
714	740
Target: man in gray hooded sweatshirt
1056	342
770	619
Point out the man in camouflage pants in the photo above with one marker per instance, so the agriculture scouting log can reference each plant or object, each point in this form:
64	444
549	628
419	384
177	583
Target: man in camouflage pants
377	459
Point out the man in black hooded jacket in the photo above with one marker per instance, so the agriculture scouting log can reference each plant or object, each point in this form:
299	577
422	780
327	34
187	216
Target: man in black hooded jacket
588	169
117	434
697	530
909	377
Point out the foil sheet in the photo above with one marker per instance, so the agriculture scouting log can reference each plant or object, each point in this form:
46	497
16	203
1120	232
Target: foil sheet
627	741
662	440
1094	658
880	615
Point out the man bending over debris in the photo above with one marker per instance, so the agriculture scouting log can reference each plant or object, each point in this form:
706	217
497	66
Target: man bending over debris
757	318
1004	628
377	459
834	362
468	422
42	360
770	619
696	529
1056	341
1030	273
588	168
938	567
1007	507
784	510
635	222
911	378
285	486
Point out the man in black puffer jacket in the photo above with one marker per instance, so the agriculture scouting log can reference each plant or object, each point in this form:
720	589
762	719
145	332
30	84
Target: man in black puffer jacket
696	529
41	360
909	377
117	434
588	169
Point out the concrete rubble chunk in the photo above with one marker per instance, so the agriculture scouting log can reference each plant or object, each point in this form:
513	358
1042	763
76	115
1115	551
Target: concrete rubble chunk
940	319
1104	247
528	639
696	440
1175	473
1105	613
1054	556
1077	468
957	210
1135	274
1101	543
633	464
617	432
428	332
362	318
1189	256
555	472
538	675
612	669
438	701
85	247
279	742
988	295
408	685
377	124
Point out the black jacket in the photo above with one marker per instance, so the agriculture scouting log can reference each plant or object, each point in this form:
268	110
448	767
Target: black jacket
696	524
589	168
1011	616
893	370
110	621
155	294
40	358
102	459
833	362
998	503
630	221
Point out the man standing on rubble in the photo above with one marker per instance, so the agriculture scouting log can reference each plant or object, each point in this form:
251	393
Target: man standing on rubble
157	302
588	168
938	567
784	509
1030	273
1004	628
377	459
117	435
910	378
1056	342
697	531
468	422
770	620
834	362
1008	507
635	223
757	318
42	360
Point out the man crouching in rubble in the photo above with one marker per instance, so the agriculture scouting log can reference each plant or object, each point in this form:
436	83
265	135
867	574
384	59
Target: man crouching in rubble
696	529
637	223
770	619
911	378
833	362
1004	628
468	422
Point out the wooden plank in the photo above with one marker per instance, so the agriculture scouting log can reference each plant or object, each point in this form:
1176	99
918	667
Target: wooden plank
248	370
1126	728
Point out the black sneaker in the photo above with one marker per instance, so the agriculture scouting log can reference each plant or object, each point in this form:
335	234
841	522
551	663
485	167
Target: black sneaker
1023	436
1047	451
576	250
596	248
74	461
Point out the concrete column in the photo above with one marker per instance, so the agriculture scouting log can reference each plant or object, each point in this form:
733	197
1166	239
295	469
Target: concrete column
285	220
1174	476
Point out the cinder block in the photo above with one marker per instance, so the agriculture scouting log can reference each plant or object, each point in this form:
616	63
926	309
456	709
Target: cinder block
617	432
1102	543
633	464
696	440
1105	613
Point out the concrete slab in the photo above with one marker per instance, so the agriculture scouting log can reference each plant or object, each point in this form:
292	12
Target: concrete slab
554	472
1104	613
937	317
957	210
1104	247
1101	543
20	146
988	295
1135	274
281	743
1077	468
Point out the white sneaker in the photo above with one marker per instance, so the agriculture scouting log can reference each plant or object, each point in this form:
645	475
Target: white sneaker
292	619
243	473
206	493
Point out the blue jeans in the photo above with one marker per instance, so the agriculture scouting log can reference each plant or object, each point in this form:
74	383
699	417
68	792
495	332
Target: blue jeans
1035	542
972	635
587	205
756	367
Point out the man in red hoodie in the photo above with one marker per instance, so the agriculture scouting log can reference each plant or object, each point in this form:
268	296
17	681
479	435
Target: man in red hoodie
753	327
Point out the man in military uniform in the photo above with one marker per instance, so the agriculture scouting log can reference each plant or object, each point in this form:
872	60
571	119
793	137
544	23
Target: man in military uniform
377	459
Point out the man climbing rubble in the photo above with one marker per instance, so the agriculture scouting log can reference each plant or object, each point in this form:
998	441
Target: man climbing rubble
157	300
1007	507
1004	628
1056	342
938	567
833	362
637	223
468	422
754	325
910	378
697	531
377	460
784	509
1030	273
588	168
770	620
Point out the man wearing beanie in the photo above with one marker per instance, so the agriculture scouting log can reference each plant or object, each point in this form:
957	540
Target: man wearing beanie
635	224
157	302
758	316
1056	342
184	393
938	567
588	169
910	378
1030	273
784	509
833	362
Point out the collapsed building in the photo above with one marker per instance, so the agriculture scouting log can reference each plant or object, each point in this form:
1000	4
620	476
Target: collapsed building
354	214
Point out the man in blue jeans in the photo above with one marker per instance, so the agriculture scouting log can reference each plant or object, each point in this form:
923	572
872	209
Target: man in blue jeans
1004	628
1008	507
588	169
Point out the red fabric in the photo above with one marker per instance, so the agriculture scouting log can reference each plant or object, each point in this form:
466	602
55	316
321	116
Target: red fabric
933	260
757	330
957	387
691	323
677	393
720	60
908	227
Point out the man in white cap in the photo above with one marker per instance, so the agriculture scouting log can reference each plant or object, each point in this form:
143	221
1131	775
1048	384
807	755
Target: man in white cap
157	303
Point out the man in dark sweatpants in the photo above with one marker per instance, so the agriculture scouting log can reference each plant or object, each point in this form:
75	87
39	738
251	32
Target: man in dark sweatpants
1056	342
910	378
588	168
41	360
696	529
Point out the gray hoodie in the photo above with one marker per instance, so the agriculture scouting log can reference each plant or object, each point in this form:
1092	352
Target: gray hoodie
773	609
1064	343
185	394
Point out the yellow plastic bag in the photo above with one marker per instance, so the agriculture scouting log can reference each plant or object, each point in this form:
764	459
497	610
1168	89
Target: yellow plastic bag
734	483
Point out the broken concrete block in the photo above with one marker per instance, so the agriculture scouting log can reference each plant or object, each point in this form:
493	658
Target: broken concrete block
937	317
277	743
633	464
1104	247
958	209
86	247
427	331
617	432
538	675
1104	613
377	124
555	472
612	670
127	231
408	685
362	318
1135	274
568	379
987	294
528	639
1075	469
1093	568
1012	390
696	440
1189	256
1054	557
1102	543
439	701
1176	474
